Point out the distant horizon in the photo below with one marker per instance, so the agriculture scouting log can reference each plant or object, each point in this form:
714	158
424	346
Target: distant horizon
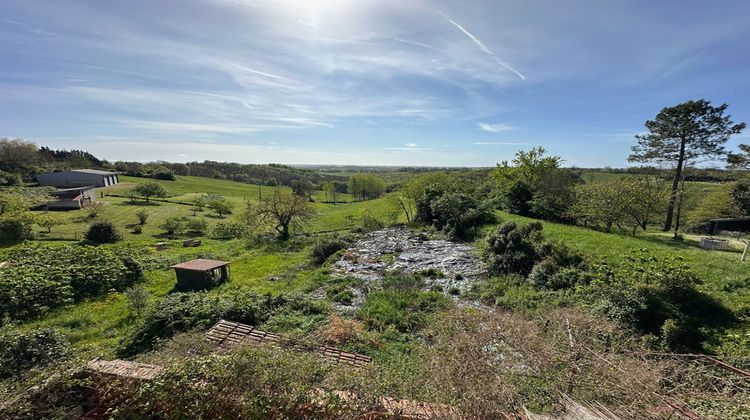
420	83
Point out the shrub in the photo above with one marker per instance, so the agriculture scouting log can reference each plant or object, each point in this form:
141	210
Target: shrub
197	226
164	173
142	216
567	278
647	292
21	351
228	230
38	279
542	273
511	249
324	248
456	213
137	297
103	232
173	225
16	227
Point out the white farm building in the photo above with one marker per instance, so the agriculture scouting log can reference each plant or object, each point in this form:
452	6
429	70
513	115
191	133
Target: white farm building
78	178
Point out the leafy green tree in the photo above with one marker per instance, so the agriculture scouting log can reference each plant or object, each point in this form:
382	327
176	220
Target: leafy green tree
17	156
197	226
740	160
302	187
681	136
150	189
330	190
600	203
414	190
535	184
366	186
47	222
164	173
220	205
16	222
741	196
199	203
173	225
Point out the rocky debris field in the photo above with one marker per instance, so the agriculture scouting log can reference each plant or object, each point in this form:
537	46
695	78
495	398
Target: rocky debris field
450	265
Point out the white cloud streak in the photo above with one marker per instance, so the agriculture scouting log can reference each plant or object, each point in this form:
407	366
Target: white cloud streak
483	47
496	127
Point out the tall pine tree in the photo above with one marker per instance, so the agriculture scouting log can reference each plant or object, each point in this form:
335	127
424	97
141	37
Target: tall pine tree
681	136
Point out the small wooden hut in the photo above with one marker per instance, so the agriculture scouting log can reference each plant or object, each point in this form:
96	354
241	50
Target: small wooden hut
201	274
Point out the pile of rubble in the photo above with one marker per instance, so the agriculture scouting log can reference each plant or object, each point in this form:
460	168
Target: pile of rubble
452	265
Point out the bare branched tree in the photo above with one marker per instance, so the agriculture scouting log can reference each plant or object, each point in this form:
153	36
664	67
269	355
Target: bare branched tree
282	209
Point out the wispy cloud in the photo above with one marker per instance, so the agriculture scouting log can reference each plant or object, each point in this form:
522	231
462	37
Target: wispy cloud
409	147
495	127
483	47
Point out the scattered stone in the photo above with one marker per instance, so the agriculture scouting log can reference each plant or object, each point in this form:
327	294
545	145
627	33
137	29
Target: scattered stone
452	266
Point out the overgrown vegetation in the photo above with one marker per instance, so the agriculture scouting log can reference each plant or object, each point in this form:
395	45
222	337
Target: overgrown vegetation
180	312
37	279
23	350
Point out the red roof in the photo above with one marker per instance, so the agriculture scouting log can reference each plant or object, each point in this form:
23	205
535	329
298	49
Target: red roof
200	265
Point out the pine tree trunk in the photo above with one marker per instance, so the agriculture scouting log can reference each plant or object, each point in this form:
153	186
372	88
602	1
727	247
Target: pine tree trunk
675	186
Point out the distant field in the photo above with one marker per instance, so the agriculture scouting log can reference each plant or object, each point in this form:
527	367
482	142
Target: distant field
122	211
601	176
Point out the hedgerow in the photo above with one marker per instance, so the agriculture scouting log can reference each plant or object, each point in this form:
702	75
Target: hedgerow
37	279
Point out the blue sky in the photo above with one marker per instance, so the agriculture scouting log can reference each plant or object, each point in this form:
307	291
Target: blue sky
443	83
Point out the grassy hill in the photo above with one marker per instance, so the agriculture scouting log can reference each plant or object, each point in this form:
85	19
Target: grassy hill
98	324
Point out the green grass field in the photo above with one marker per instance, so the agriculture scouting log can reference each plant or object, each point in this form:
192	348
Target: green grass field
97	325
718	269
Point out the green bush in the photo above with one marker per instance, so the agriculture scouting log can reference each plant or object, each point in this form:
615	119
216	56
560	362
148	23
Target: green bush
103	232
174	225
228	230
197	226
181	312
511	249
21	351
457	214
142	216
324	248
657	296
38	278
542	273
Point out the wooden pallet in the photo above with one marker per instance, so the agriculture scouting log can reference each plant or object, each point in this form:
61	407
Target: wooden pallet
228	334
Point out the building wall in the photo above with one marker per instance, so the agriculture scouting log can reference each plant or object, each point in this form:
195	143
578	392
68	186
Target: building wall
64	205
75	179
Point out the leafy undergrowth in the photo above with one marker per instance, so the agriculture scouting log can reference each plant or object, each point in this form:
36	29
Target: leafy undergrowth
482	364
723	282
